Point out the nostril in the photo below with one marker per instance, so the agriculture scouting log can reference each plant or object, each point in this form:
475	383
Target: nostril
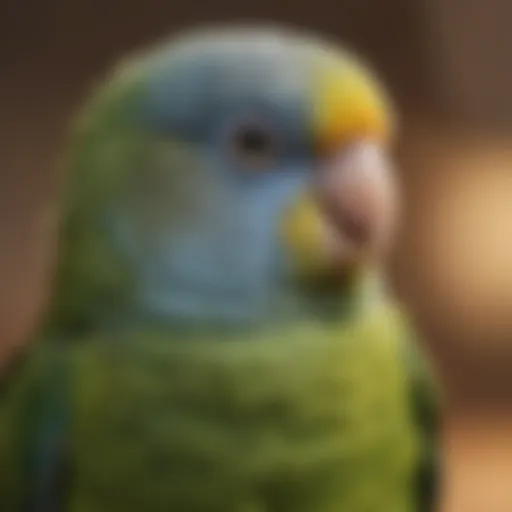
351	225
354	228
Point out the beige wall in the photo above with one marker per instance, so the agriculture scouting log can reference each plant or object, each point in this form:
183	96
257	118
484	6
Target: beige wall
470	45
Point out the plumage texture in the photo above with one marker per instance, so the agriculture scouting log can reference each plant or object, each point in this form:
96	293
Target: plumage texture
273	424
165	379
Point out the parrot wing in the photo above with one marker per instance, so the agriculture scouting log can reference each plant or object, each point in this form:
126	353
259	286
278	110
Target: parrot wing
426	411
34	411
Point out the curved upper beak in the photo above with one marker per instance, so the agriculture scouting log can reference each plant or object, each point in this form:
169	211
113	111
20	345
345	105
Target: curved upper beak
348	215
356	192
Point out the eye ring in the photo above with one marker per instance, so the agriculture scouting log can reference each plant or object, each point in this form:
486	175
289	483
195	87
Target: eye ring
254	144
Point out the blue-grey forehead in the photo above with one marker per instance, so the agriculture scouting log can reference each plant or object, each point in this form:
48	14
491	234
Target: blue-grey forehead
190	84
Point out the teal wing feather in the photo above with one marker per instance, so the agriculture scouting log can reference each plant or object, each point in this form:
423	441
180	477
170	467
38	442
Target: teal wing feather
34	423
426	406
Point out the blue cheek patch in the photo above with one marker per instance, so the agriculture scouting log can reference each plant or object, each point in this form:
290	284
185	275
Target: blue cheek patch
227	268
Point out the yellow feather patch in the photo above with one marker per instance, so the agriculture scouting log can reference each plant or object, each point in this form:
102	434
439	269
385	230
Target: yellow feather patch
304	235
351	105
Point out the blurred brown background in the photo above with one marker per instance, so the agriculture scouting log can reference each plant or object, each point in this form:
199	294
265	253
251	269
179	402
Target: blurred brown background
447	63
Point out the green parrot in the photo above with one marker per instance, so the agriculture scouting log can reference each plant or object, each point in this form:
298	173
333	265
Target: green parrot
221	337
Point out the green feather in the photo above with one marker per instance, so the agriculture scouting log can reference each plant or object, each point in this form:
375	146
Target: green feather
306	418
111	157
27	398
90	274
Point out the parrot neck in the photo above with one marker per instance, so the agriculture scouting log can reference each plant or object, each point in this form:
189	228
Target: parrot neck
347	297
322	305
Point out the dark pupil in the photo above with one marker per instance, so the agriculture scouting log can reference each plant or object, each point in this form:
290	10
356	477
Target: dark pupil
253	140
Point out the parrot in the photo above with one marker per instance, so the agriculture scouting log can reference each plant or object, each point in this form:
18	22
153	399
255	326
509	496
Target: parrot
221	335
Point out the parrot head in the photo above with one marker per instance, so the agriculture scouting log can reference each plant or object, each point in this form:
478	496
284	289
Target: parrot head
222	175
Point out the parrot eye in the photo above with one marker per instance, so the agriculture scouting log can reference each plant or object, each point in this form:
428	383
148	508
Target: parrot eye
254	145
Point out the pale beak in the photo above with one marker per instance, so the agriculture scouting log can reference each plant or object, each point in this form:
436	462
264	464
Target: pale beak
356	191
349	216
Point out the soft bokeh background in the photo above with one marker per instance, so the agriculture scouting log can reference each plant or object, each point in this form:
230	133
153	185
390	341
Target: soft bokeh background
447	63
